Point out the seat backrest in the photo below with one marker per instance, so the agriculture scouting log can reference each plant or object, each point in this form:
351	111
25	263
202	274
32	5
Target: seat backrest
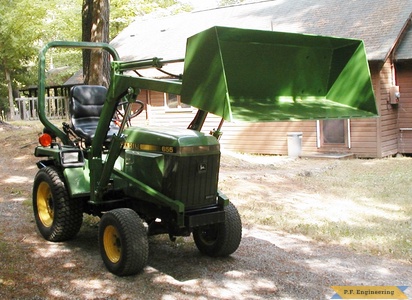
85	106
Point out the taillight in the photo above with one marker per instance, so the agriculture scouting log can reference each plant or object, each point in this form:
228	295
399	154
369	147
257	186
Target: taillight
45	139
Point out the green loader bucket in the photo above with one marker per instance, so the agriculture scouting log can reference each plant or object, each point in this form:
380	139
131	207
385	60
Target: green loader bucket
254	75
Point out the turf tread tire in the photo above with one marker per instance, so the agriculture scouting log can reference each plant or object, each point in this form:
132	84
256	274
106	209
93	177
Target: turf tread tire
133	239
68	213
227	235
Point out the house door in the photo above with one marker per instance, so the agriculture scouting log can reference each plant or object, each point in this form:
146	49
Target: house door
334	135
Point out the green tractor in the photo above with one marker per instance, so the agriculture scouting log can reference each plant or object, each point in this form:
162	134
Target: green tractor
145	181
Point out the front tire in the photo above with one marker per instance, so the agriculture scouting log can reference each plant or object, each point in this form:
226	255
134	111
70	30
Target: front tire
123	242
58	217
220	239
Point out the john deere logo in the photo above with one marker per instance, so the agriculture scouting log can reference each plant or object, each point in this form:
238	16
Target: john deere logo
202	167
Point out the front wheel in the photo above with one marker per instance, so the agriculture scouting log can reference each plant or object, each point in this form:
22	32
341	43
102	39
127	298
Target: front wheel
123	242
58	217
220	239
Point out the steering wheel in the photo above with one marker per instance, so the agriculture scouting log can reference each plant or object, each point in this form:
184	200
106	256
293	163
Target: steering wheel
119	115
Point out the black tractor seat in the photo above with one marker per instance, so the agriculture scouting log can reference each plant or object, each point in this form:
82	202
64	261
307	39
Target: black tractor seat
85	106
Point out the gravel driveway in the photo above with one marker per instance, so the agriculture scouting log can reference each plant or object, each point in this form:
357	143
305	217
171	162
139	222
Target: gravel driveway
267	265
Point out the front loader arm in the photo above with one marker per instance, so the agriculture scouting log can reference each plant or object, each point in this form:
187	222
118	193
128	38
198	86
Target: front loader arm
127	87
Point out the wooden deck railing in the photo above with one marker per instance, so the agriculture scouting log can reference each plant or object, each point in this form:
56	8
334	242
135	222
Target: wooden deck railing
56	108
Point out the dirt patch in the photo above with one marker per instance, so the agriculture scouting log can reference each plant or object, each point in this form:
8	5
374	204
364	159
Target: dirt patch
269	264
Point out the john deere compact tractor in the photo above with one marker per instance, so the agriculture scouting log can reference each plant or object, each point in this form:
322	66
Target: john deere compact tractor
149	180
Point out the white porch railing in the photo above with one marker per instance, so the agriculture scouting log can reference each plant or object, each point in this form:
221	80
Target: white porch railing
56	108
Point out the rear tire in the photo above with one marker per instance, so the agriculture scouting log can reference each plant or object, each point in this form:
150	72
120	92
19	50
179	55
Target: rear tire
123	242
220	239
58	217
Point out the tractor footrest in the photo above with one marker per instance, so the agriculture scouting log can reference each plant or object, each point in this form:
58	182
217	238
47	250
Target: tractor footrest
205	219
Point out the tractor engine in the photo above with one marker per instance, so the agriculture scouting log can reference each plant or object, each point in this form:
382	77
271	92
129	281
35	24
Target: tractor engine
182	164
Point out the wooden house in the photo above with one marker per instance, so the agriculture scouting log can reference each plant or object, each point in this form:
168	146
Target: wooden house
384	26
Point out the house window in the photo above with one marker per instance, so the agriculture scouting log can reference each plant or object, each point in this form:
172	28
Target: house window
173	101
334	133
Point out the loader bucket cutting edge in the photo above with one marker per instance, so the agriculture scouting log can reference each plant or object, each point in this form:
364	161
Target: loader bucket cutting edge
281	76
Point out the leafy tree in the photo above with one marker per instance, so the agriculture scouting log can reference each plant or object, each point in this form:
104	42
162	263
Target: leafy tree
123	12
20	32
231	2
63	22
26	25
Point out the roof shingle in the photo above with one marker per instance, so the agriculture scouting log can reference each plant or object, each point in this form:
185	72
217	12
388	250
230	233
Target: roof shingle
404	52
377	22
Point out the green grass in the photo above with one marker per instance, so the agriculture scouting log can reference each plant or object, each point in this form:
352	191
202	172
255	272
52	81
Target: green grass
365	205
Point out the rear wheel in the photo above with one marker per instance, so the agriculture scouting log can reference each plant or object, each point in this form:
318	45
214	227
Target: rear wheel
220	239
58	217
123	242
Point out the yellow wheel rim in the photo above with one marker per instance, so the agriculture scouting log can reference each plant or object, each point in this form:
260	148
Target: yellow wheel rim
45	204
112	244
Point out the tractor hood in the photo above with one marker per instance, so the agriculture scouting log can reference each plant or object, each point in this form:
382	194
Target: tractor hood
253	75
170	141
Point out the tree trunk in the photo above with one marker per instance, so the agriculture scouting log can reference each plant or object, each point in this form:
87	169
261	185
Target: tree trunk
10	90
86	33
96	63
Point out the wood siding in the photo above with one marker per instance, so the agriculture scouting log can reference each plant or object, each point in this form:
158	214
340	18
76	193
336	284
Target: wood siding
404	80
267	138
363	138
264	138
372	137
388	123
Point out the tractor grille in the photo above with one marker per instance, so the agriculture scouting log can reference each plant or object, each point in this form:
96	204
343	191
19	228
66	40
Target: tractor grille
192	179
